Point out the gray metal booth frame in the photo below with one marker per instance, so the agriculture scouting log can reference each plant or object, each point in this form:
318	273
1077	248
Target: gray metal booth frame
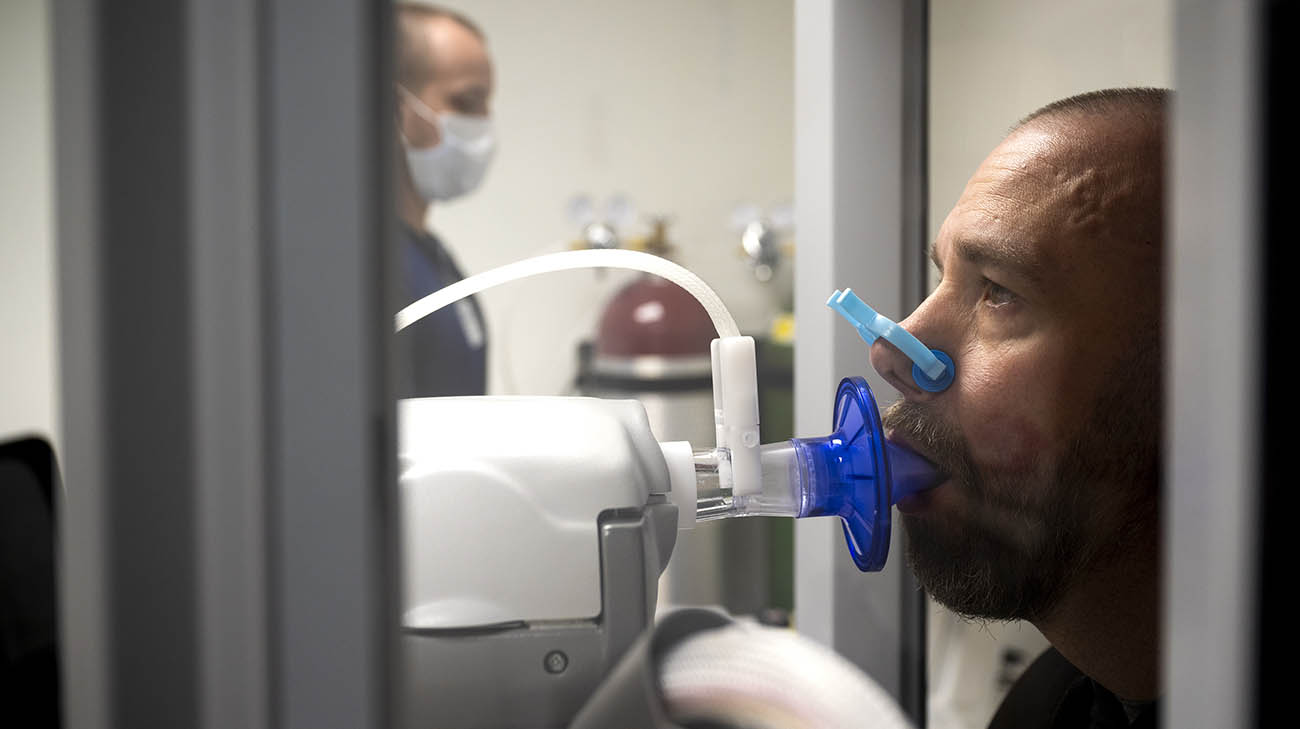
229	548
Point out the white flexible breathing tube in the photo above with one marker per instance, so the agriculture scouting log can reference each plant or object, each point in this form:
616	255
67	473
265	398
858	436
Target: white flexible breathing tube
566	260
735	380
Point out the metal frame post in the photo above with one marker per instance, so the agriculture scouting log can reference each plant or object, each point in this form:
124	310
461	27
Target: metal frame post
1214	359
860	197
229	555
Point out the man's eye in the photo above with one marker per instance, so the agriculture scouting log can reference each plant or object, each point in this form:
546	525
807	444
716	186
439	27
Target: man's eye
470	104
996	296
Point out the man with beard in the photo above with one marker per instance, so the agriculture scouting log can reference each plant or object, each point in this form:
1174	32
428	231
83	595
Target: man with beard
1050	303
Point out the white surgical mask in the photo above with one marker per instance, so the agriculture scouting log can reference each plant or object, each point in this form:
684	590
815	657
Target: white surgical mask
455	165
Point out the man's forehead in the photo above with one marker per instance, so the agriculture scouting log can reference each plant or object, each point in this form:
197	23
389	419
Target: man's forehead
1023	170
456	51
1035	192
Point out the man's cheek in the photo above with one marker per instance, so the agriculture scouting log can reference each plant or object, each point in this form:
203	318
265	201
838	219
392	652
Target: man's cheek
1003	437
1005	443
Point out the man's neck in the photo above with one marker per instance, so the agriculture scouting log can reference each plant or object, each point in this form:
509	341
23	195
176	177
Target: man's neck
1108	626
411	208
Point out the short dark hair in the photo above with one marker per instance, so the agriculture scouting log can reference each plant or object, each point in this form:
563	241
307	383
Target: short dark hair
1148	103
414	62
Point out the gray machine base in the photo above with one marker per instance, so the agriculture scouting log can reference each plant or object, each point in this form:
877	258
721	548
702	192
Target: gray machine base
539	675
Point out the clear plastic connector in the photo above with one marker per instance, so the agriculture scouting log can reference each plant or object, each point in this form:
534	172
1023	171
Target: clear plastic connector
853	473
781	487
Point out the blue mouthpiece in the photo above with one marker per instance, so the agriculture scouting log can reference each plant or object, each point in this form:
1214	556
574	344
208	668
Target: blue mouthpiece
857	475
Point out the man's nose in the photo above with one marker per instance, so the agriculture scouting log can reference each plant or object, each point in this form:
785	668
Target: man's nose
895	366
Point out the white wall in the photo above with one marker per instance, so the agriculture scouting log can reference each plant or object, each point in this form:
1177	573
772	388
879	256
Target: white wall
28	357
683	105
991	63
995	61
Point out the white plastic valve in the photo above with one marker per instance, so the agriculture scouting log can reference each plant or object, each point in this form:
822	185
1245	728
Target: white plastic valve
735	410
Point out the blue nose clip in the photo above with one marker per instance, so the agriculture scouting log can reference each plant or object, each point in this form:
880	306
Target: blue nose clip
932	369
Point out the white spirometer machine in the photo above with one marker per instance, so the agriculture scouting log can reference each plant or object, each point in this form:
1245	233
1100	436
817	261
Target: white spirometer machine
535	528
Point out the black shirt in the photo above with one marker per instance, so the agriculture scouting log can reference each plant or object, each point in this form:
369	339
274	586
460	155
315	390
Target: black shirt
445	353
1053	694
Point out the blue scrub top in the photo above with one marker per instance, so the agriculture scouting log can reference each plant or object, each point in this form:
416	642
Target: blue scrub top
444	353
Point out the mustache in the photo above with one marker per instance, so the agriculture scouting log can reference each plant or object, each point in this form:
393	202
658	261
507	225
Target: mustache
991	514
939	440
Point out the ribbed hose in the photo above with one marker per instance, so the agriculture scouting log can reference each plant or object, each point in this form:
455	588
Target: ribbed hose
770	678
567	260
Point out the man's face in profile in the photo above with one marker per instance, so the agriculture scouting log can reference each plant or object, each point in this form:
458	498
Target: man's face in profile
1049	305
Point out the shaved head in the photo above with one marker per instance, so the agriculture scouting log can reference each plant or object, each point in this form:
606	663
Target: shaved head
416	55
1149	105
1106	153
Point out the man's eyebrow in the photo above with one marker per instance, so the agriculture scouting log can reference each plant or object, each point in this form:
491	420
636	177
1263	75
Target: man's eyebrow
470	93
996	254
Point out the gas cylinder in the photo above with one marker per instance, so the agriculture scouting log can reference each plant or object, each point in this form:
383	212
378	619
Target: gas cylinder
652	344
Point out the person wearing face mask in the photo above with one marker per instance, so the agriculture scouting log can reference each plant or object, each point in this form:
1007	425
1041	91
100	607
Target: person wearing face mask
443	87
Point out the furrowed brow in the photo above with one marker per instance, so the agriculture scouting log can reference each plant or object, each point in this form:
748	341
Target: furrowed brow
993	254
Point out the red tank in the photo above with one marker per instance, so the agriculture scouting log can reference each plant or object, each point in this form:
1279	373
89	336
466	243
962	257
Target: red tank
652	343
653	316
